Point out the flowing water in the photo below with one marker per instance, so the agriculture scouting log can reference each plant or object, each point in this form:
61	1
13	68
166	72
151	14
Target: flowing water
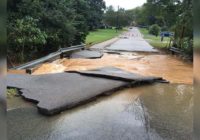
149	112
166	66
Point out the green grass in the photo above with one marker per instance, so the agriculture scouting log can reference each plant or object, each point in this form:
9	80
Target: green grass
101	35
11	92
155	41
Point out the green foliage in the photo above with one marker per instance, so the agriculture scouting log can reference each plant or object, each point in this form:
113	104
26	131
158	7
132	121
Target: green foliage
25	33
110	16
160	21
11	92
2	29
154	30
155	41
38	27
188	45
120	18
164	28
171	15
162	12
96	11
184	28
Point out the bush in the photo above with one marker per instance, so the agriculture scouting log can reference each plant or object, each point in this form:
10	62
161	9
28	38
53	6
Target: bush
187	46
154	30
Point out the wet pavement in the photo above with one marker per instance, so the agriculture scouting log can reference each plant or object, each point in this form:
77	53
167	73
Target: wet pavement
87	54
132	41
156	112
2	108
74	88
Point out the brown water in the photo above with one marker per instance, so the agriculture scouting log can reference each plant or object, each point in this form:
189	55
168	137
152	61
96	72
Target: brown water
197	67
153	112
166	66
149	112
196	96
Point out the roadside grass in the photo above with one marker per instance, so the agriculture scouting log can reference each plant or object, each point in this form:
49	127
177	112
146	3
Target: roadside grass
101	35
11	92
155	41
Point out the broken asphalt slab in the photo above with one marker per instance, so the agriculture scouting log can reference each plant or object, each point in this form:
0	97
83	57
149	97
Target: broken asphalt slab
55	93
118	74
88	54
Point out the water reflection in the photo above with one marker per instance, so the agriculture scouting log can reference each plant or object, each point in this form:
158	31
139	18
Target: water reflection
153	112
169	111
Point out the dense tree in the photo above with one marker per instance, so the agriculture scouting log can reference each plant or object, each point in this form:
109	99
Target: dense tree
26	33
172	15
184	27
60	23
110	16
154	30
119	18
2	30
96	10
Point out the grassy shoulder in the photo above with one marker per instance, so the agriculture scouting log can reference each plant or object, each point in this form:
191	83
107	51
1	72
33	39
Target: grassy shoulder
101	35
155	41
12	92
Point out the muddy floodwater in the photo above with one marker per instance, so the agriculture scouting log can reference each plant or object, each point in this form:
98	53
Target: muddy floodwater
144	112
149	112
160	65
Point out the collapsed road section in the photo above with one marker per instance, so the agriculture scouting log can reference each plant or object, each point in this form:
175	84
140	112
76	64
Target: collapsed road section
55	93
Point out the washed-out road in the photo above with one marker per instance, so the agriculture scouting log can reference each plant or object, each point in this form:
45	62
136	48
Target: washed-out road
146	112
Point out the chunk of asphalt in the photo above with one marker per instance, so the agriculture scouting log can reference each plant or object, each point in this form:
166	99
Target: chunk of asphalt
119	74
90	54
55	93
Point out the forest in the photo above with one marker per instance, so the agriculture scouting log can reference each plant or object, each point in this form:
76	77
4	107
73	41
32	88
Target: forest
38	27
158	16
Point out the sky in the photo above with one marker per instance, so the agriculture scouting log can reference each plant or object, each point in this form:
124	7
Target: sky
127	4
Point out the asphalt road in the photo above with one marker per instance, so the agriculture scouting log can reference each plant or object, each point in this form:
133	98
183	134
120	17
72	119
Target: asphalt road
155	112
72	89
2	108
132	41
